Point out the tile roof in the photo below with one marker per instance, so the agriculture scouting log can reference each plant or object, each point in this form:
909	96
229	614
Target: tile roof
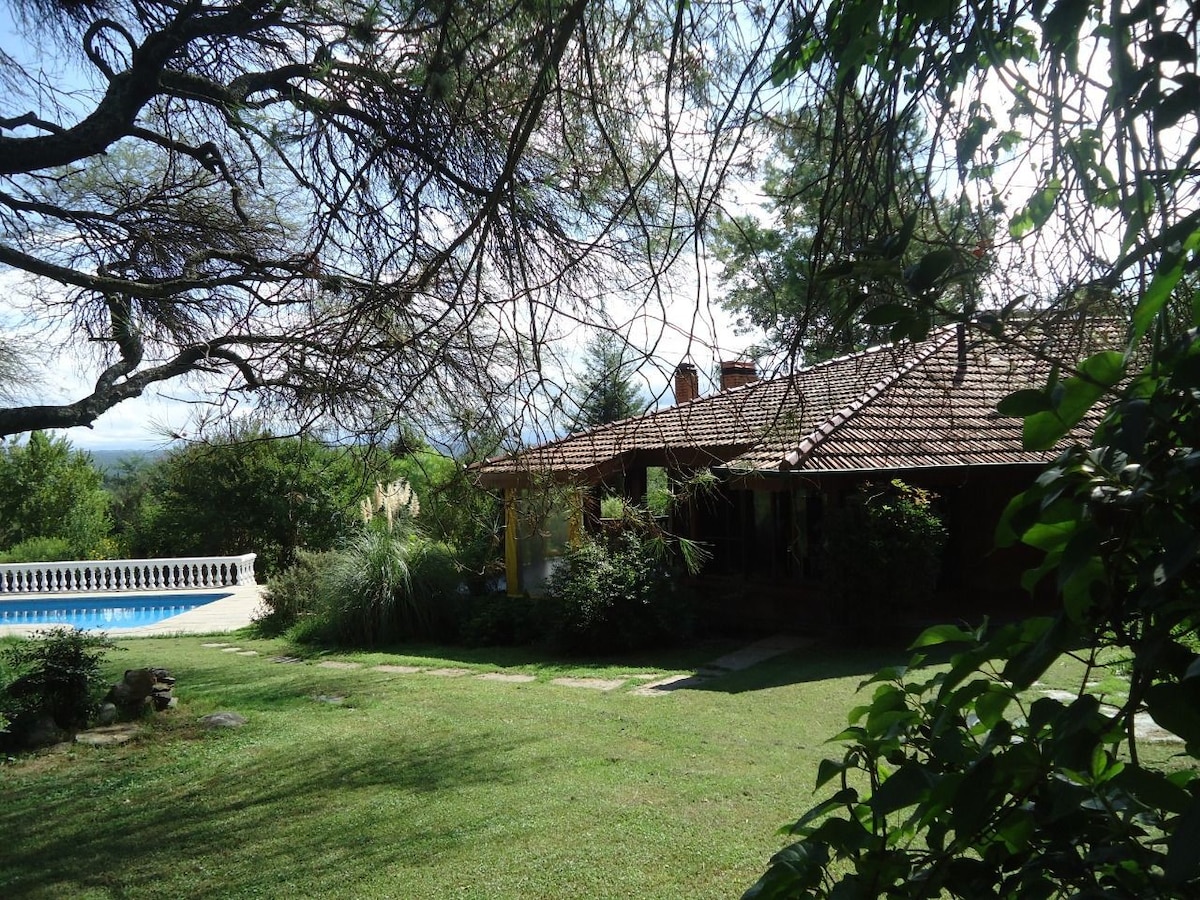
902	406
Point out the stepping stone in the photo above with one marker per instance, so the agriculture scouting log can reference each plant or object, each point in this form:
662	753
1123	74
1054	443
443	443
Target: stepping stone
596	684
449	673
338	664
671	683
512	678
286	660
642	676
1148	730
223	719
331	699
247	653
108	735
399	670
214	645
758	652
232	650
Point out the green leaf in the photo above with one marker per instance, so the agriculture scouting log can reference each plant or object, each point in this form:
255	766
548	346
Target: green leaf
942	634
991	705
922	276
1024	403
829	769
1160	289
1037	212
1152	789
1106	368
971	139
1049	536
1048	639
1176	707
903	788
1015	518
886	314
844	797
1072	399
1183	862
1078	588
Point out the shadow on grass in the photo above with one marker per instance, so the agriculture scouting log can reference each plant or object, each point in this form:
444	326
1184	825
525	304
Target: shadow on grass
816	663
819	662
682	658
266	819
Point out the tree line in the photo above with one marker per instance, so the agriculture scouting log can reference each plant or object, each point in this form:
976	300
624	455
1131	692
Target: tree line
251	493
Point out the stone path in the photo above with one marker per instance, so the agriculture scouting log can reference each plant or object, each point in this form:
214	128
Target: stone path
643	684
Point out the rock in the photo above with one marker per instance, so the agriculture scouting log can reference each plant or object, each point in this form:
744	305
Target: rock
107	714
108	735
130	693
43	732
141	690
223	720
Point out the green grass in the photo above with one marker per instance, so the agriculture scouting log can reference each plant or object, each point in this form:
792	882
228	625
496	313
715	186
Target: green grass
426	787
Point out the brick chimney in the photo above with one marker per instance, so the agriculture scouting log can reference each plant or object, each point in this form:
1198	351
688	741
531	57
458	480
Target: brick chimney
687	383
736	373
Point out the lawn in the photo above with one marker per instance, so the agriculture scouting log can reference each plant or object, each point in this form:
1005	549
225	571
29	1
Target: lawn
433	787
430	787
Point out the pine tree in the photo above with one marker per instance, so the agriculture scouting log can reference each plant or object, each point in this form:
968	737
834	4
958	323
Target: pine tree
605	392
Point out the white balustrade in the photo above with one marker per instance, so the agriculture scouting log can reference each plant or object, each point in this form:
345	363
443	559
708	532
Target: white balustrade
104	575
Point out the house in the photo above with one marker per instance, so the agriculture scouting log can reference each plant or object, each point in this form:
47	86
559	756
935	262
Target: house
787	449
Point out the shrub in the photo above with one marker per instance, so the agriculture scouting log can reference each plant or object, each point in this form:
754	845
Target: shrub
293	593
57	675
616	593
39	549
497	620
884	551
382	587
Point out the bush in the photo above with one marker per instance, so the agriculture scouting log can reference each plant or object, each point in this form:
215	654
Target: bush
383	587
294	593
39	549
614	594
884	552
497	620
57	675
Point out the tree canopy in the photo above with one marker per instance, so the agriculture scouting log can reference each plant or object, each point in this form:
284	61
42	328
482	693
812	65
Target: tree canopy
252	492
342	209
605	391
843	181
51	500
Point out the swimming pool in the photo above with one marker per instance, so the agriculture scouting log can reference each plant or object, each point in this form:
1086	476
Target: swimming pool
99	613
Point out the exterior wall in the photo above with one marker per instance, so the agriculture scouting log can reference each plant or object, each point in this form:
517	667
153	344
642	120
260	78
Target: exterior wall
767	566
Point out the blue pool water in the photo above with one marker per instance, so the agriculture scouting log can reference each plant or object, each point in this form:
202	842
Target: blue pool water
99	613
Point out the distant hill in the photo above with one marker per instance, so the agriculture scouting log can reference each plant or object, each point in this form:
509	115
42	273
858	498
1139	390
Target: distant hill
110	460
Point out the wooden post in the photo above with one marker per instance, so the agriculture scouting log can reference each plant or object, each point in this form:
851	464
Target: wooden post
576	528
512	562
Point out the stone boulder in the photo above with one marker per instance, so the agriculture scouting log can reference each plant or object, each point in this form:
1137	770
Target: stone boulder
142	690
223	719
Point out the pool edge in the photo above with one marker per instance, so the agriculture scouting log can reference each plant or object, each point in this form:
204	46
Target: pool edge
227	614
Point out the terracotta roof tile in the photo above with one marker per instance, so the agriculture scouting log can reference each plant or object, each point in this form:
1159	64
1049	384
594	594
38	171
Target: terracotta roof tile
895	407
